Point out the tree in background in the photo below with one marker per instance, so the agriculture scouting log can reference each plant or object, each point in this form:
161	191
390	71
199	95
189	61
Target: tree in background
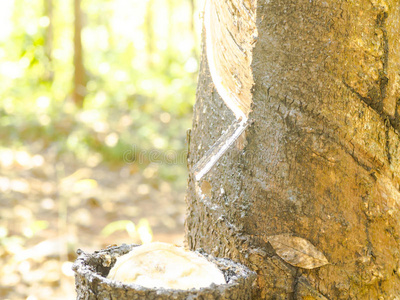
79	69
48	12
149	32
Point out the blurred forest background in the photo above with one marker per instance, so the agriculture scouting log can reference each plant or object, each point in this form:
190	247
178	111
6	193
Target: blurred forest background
95	100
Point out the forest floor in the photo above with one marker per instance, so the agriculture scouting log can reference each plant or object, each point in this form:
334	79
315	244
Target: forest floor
52	205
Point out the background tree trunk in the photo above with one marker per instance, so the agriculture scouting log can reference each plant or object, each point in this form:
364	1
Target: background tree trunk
48	11
149	31
321	159
79	72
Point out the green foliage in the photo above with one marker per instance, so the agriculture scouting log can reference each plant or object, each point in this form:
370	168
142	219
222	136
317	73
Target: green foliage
141	77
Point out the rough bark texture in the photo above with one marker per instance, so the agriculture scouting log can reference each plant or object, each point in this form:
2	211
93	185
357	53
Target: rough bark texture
92	269
322	158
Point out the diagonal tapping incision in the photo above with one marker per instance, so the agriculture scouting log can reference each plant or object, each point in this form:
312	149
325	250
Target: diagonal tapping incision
219	148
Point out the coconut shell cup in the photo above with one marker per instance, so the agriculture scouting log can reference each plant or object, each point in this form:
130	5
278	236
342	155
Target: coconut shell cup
91	270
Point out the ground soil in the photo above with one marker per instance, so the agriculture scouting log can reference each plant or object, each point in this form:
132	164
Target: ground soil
52	205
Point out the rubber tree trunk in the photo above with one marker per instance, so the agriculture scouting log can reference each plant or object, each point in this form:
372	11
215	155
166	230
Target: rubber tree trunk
319	158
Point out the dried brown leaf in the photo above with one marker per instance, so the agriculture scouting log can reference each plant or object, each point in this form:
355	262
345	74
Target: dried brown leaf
297	251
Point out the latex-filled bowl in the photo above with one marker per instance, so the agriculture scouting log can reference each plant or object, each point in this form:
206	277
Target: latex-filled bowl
91	270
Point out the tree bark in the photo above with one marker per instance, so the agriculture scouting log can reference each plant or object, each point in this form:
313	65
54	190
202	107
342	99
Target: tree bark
79	71
321	158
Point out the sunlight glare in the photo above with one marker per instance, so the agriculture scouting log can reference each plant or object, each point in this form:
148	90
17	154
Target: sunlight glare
101	127
112	139
95	38
6	12
6	158
3	232
104	67
20	186
37	160
43	102
23	158
89	116
8	105
191	65
128	17
24	62
11	69
31	29
44	21
120	75
67	269
4	186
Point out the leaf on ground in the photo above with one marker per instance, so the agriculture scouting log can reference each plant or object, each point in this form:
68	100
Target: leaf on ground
112	227
84	184
297	251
